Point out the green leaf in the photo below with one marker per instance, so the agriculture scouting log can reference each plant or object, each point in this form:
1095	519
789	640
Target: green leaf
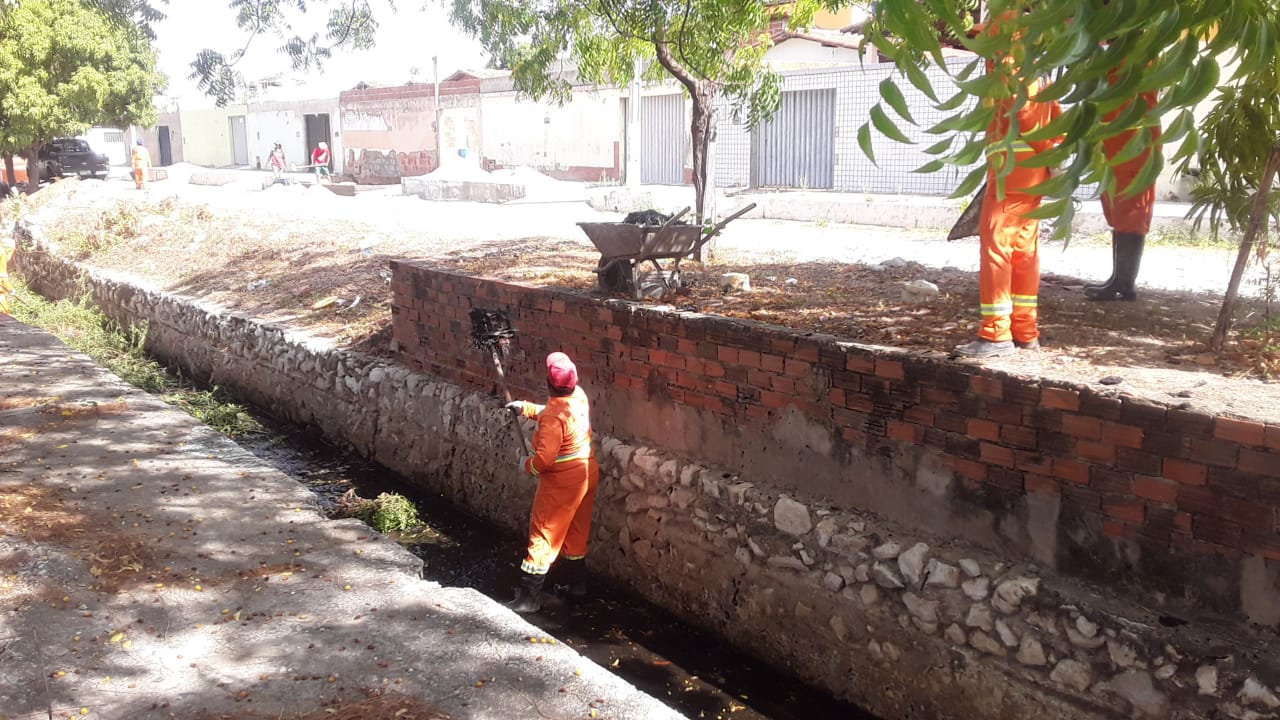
1146	177
941	146
970	183
892	95
864	142
920	81
887	127
930	167
1050	210
954	101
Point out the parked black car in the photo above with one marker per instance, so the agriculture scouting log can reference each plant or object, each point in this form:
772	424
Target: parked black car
71	156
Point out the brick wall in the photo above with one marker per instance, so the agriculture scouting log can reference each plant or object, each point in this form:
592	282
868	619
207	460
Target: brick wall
1105	486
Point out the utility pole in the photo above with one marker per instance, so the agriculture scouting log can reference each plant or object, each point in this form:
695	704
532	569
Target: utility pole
435	71
633	128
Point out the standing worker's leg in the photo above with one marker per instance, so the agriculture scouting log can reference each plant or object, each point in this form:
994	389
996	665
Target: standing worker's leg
139	177
1025	281
994	279
554	507
7	293
573	559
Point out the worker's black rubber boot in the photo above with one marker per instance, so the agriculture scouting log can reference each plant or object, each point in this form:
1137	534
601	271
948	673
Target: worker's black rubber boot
1112	278
1123	286
528	597
573	578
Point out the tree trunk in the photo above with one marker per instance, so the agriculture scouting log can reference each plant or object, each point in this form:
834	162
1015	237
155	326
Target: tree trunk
1257	225
699	134
33	168
10	177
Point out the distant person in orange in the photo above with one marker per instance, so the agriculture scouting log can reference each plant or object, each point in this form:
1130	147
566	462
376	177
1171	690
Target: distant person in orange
564	464
141	164
7	292
1009	274
320	158
1128	213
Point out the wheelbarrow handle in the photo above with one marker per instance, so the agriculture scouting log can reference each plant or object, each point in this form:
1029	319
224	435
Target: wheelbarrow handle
715	229
675	218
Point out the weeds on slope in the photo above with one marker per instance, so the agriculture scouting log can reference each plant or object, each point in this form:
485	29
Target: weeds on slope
121	350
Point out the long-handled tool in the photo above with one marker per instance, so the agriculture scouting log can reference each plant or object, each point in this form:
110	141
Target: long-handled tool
492	331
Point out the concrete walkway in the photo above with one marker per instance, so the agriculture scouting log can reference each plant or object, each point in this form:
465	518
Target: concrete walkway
150	568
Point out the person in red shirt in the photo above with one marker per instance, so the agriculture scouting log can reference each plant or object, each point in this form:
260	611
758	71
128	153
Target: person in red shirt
320	158
564	464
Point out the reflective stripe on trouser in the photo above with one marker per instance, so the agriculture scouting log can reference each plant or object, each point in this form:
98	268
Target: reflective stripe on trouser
1009	275
561	517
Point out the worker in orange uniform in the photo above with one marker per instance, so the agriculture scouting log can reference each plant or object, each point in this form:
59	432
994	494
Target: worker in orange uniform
564	464
1127	212
141	164
1009	274
7	292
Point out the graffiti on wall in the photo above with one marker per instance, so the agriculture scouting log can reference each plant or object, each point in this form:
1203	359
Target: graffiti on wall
387	167
356	121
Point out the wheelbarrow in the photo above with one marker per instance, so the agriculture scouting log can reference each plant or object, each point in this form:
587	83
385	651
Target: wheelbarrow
625	247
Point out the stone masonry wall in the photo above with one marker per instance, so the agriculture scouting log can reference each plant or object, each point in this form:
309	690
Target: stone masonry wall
907	622
1092	483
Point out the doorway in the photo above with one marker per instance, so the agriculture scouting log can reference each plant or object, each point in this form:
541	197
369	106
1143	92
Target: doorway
166	146
239	141
317	127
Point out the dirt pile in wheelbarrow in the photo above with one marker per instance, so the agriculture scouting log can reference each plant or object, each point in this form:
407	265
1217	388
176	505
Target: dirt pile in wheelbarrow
650	218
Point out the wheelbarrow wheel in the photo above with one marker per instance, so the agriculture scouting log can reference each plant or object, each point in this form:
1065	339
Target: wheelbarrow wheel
615	276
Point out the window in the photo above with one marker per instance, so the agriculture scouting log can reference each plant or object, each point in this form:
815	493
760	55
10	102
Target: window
113	136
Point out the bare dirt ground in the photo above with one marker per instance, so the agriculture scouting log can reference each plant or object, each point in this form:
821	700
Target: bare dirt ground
292	255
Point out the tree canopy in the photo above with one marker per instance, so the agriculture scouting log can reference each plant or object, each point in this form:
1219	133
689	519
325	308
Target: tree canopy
350	24
65	66
714	48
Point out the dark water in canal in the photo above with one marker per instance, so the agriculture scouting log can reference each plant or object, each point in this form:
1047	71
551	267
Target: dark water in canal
694	672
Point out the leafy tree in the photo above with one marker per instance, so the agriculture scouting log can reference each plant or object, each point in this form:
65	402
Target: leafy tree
1100	54
714	48
66	65
351	24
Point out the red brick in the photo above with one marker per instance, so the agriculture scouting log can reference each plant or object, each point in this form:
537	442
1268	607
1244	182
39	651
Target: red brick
1139	462
1018	436
713	369
1248	514
1273	437
773	363
783	385
1122	435
1245	432
1032	461
996	455
854	436
1259	462
749	359
986	386
1153	488
1082	426
1118	530
798	368
1216	530
1198	500
1110	482
806	351
1130	511
982	429
1060	399
863	364
727	355
969	469
1185	473
1042	485
891	369
774	400
1071	471
1096	452
1221	453
918	415
907	432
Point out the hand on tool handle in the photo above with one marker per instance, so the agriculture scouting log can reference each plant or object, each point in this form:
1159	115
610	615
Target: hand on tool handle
515	407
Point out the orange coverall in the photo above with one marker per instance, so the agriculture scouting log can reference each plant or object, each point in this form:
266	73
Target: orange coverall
1129	213
141	162
6	289
1009	274
564	463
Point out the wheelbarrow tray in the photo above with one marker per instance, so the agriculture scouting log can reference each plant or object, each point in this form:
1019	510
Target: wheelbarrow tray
624	240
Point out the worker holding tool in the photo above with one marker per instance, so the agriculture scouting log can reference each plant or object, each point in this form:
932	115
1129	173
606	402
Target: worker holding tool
564	464
1009	274
7	292
1127	212
320	160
